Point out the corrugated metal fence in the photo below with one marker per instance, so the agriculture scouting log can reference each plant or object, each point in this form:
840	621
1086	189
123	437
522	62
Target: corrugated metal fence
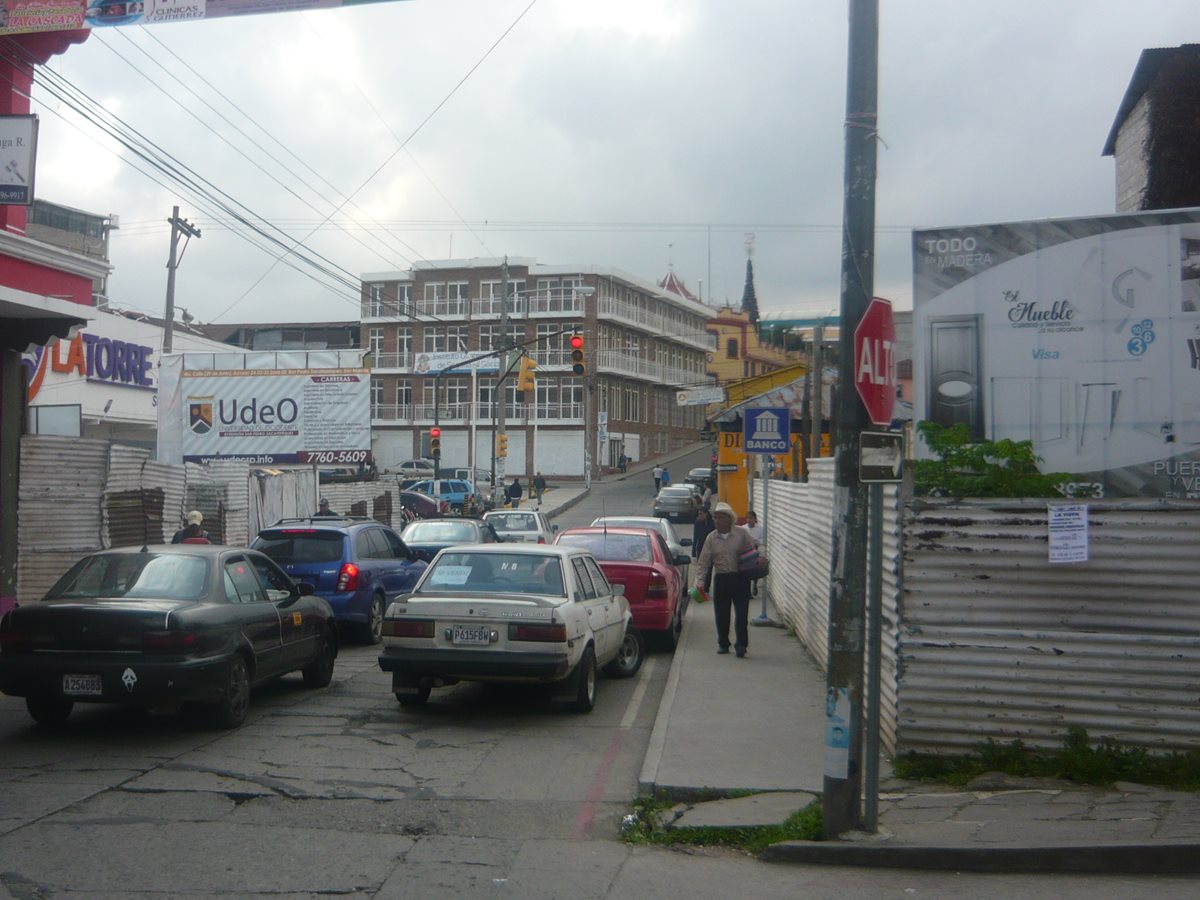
999	643
78	496
799	542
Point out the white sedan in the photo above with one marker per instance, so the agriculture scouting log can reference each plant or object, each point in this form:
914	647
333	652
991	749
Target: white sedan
524	613
521	525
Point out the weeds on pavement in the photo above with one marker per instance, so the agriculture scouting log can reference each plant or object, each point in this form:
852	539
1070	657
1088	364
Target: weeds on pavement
647	825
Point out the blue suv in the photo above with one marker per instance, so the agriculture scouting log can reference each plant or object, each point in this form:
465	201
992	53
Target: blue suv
359	565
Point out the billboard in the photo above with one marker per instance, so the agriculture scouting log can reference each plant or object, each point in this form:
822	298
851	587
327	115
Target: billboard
19	16
18	156
276	416
1080	335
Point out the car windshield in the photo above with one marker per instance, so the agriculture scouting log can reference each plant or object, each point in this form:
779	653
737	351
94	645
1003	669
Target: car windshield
437	532
134	576
512	521
288	546
505	573
611	547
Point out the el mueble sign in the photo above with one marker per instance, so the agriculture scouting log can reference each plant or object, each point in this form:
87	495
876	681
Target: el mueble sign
1080	335
277	416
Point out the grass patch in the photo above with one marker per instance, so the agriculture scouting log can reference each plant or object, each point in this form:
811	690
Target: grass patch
1077	760
642	826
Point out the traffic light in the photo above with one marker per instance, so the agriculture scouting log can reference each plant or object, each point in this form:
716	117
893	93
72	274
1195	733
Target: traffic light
501	445
578	360
435	443
527	375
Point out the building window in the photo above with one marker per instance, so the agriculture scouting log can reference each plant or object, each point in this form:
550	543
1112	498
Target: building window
404	341
489	336
376	397
404	304
404	393
375	341
434	340
375	304
731	348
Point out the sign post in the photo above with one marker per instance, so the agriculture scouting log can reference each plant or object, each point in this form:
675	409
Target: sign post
767	430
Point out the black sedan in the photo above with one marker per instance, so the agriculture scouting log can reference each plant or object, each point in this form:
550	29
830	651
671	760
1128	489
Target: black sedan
165	625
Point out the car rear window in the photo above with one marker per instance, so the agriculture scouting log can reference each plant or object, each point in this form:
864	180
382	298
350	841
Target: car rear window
512	521
433	532
612	547
135	576
298	547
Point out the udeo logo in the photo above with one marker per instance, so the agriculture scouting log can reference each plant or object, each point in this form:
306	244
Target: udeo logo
257	412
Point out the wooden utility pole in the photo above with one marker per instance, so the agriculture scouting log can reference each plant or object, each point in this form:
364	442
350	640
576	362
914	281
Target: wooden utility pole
847	591
177	225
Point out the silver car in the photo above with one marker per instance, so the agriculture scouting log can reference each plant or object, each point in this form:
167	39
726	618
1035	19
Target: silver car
521	526
677	503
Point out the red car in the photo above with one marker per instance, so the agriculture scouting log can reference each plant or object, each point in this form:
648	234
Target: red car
638	559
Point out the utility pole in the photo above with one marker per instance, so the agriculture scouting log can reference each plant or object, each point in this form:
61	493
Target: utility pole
815	419
177	225
847	592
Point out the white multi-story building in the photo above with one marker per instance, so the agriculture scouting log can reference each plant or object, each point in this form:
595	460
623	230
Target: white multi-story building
641	346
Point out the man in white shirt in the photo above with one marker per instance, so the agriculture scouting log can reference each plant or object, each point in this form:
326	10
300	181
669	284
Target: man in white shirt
658	472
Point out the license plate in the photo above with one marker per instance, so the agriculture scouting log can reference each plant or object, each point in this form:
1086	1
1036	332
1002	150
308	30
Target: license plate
471	634
82	686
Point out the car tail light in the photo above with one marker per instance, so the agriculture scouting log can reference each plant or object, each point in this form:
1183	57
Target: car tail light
168	641
656	589
444	506
418	628
541	539
297	531
348	577
15	641
522	632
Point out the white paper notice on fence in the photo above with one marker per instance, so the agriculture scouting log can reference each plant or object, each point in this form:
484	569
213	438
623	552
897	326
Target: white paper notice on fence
1068	533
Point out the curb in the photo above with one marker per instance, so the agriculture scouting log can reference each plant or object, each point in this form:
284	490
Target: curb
647	780
1113	859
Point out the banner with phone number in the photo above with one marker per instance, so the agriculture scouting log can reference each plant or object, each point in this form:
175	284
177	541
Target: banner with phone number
24	16
272	417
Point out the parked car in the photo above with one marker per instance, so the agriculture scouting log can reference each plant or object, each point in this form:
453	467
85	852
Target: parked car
701	475
531	613
663	527
521	525
413	468
640	560
427	538
677	503
160	626
481	478
458	493
358	565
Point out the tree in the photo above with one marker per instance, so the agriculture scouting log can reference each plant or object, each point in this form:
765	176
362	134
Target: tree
966	468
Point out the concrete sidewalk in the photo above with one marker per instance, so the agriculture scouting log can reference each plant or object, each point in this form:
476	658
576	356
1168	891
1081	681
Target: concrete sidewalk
728	725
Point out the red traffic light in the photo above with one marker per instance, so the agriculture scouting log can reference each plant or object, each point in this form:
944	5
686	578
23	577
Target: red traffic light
576	341
435	432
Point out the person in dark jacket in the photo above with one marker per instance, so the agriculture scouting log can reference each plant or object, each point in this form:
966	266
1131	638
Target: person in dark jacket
323	510
192	533
700	530
514	493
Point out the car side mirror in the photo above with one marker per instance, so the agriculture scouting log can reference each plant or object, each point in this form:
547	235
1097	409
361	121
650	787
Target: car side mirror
682	559
304	589
685	542
554	528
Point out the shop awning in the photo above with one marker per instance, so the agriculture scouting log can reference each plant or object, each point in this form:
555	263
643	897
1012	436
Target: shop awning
29	320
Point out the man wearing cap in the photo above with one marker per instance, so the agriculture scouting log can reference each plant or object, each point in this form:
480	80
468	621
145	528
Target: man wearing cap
731	588
324	511
192	533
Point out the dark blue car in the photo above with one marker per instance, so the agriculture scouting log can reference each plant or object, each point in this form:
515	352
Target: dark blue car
359	565
430	536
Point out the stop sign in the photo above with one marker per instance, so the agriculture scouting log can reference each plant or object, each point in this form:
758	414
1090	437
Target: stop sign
875	360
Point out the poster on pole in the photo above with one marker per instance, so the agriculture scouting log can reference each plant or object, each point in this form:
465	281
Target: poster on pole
277	416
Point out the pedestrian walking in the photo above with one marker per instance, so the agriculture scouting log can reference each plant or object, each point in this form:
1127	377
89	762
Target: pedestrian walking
731	588
701	530
666	477
192	533
514	493
707	499
539	487
658	473
623	463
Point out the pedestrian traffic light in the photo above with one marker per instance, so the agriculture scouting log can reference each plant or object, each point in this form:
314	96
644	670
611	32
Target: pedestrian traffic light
527	375
435	443
578	361
501	445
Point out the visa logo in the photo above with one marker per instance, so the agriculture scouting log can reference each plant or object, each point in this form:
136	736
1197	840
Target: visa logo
1045	354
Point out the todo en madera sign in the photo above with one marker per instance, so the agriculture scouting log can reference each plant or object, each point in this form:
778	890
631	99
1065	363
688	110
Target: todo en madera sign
875	360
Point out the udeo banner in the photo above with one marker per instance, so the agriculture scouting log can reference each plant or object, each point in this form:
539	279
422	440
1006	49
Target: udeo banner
278	416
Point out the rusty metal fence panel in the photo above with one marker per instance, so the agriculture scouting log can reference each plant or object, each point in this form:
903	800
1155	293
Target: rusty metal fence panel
998	643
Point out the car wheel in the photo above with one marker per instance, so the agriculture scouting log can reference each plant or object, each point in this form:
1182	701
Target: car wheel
629	656
50	713
585	682
319	672
418	696
230	711
372	631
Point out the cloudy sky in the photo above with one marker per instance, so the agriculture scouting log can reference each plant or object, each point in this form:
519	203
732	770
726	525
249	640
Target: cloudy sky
636	134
